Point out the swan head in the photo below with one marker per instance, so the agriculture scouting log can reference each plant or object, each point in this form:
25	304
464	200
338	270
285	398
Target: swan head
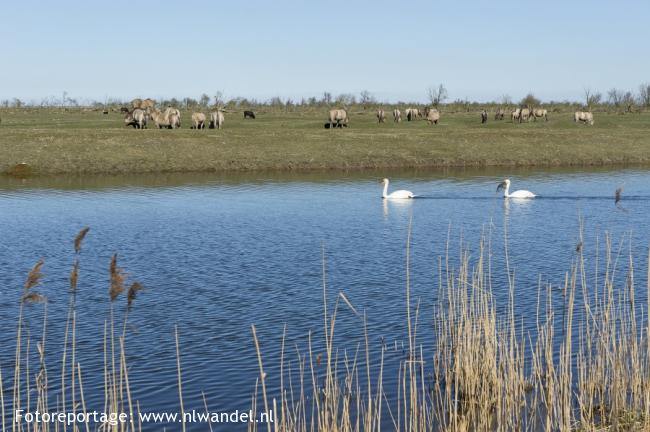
505	184
384	181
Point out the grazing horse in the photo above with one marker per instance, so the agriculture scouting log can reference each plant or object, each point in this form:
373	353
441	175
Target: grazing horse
338	117
412	114
584	117
136	118
249	115
216	119
484	117
539	112
381	116
198	121
397	115
515	114
433	116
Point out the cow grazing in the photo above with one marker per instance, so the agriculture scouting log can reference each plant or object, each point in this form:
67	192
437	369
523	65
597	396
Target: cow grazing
584	117
338	117
397	115
249	115
381	116
484	116
216	119
539	112
433	116
136	118
198	121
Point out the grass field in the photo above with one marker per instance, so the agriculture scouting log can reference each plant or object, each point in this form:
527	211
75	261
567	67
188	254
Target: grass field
53	141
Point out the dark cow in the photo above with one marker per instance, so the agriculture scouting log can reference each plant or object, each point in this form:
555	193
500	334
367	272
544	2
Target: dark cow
249	115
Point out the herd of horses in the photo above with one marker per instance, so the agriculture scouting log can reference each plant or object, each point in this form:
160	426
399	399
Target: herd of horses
338	118
144	111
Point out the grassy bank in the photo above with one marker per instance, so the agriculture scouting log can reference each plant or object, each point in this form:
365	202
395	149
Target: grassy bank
54	141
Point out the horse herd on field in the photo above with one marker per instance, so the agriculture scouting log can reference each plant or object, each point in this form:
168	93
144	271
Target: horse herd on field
144	111
339	117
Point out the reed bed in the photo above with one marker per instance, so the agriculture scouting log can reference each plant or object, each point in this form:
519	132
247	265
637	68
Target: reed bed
584	366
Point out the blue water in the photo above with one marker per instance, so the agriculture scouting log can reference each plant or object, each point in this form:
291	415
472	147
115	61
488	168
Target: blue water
218	254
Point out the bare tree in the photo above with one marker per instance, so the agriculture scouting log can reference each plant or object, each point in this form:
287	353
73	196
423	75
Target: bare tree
644	94
591	98
615	97
628	101
506	100
346	99
204	100
327	98
366	98
218	99
437	95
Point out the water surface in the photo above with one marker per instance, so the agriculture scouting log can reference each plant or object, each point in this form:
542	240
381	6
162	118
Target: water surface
220	253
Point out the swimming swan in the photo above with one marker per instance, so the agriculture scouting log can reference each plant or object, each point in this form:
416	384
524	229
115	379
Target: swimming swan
398	194
505	185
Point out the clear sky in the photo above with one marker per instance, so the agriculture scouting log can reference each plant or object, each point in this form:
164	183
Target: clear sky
480	50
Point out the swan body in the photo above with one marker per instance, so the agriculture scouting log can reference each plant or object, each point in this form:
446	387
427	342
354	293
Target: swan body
505	185
398	194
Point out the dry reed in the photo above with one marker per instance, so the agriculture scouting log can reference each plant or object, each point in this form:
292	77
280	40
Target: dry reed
584	366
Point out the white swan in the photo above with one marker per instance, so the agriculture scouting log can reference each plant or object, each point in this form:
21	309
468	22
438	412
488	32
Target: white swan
398	194
505	185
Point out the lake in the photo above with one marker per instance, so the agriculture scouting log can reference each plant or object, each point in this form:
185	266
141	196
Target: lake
218	253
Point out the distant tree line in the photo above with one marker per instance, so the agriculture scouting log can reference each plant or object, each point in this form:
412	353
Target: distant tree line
437	96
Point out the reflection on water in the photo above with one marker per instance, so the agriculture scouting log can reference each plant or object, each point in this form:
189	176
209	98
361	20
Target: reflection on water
217	253
153	180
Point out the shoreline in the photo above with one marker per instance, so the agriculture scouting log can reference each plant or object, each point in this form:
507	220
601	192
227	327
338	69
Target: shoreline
37	173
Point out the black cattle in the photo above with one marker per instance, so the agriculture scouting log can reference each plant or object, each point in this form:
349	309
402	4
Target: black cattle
249	115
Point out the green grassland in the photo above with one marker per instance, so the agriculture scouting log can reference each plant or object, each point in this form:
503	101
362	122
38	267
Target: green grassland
54	141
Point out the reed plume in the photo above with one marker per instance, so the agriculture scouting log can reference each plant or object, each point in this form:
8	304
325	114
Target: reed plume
117	279
34	276
34	297
74	275
80	238
133	292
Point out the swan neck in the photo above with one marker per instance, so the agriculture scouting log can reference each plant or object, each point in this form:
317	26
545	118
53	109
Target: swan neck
385	193
506	191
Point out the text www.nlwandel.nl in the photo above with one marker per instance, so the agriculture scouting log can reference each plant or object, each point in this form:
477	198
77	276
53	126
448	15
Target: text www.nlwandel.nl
113	418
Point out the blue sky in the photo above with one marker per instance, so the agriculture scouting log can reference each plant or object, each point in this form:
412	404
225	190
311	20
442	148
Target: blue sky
396	50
